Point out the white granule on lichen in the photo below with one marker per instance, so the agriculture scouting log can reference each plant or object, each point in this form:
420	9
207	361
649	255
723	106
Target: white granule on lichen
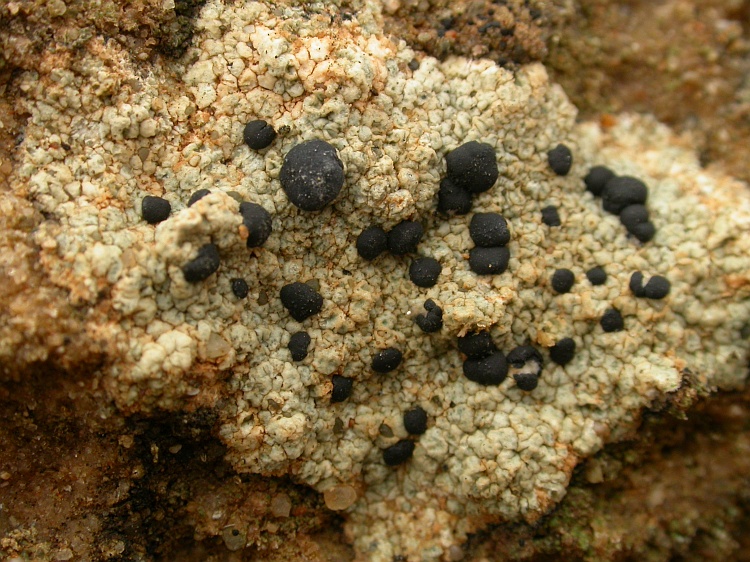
169	128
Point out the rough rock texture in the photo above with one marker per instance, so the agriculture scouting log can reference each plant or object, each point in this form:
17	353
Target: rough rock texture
95	290
677	491
79	482
685	62
512	32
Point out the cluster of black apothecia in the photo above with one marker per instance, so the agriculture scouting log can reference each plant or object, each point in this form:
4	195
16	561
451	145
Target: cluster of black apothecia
312	176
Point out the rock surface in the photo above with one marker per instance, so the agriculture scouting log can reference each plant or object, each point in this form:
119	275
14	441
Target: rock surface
95	291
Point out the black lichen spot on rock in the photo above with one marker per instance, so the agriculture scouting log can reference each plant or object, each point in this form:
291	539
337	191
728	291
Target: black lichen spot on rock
526	381
301	300
490	370
657	288
342	388
424	272
633	215
622	191
524	354
612	321
205	263
563	351
477	345
258	134
239	287
489	230
413	65
386	360
371	242
560	159
433	320
562	280
526	366
473	166
258	223
197	196
453	200
404	237
415	421
597	178
636	284
644	231
597	275
550	216
489	261
312	175
635	218
298	344
399	453
155	209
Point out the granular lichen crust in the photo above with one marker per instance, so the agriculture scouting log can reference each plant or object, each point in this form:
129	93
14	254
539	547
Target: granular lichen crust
490	453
